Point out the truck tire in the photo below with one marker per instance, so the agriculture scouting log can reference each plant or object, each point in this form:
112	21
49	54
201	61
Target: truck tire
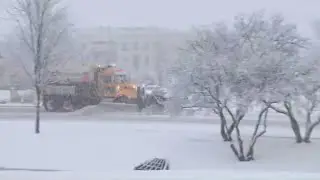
121	99
95	101
51	105
68	106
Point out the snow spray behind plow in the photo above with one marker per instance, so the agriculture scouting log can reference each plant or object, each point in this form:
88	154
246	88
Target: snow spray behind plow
106	107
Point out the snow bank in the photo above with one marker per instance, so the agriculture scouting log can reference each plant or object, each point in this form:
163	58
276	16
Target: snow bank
17	105
107	109
28	95
25	95
4	95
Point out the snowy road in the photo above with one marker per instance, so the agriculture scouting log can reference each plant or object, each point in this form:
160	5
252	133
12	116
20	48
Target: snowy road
126	118
133	117
27	112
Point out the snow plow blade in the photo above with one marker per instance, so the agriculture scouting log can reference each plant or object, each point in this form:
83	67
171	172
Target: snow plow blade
118	107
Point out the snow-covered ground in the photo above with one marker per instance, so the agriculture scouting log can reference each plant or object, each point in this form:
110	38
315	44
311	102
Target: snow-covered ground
168	175
110	150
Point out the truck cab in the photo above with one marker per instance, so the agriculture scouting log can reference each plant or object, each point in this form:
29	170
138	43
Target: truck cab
115	85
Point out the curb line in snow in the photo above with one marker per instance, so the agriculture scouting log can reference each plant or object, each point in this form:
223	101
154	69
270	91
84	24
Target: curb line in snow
121	118
28	169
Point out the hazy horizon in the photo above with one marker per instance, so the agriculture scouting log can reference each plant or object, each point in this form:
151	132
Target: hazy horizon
176	14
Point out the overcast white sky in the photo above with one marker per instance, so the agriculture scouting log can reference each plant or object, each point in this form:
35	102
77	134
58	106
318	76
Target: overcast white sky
177	13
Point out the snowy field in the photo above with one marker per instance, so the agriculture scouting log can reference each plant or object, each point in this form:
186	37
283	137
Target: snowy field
110	150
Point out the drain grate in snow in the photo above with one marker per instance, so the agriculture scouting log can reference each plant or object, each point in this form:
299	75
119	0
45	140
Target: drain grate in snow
153	164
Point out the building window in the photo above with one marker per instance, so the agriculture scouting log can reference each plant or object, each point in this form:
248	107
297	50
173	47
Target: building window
124	47
146	46
146	60
136	46
156	44
136	62
111	44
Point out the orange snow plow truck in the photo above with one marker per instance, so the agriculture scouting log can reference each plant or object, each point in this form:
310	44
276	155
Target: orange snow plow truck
72	91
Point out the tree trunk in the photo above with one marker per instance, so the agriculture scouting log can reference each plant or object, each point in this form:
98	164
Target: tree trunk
262	120
309	130
307	136
240	151
236	119
231	129
249	156
224	130
308	127
250	153
296	129
37	124
294	123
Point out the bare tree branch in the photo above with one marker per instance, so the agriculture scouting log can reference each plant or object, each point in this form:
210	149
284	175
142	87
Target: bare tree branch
41	26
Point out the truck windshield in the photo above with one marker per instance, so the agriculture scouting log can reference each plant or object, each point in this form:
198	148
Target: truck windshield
115	79
120	78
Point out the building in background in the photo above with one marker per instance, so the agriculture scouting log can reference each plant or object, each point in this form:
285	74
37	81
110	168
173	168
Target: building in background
13	75
145	52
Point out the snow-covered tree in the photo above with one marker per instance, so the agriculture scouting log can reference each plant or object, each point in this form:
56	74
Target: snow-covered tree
300	99
265	57
234	69
42	27
201	74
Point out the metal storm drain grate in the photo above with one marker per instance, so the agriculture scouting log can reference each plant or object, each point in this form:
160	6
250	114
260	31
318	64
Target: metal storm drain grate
153	164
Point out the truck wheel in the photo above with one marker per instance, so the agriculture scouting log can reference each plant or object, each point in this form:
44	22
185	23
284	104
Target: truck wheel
122	99
51	105
68	106
95	101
